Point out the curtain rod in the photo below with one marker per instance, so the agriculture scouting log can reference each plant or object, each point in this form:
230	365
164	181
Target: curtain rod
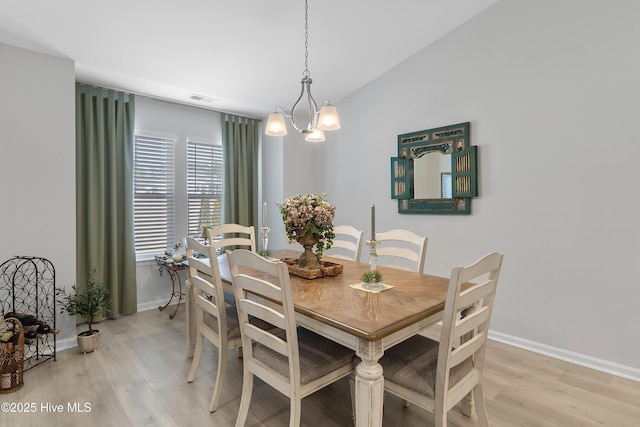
171	101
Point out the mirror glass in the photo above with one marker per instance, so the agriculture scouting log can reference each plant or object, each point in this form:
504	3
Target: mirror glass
432	176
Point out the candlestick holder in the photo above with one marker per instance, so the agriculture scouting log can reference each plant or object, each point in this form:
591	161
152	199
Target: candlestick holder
265	240
373	255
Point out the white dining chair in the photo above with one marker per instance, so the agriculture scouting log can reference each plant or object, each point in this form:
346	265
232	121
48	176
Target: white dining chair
347	244
214	320
233	235
437	375
227	237
401	249
297	362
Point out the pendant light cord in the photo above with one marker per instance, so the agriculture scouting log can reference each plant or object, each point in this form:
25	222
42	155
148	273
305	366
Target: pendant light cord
306	73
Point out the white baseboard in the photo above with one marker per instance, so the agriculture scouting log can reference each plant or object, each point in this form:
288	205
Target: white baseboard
569	356
66	344
152	305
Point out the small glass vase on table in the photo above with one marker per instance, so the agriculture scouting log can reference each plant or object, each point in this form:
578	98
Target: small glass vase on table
373	255
264	231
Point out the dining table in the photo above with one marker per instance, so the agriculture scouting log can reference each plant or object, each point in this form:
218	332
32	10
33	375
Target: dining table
366	322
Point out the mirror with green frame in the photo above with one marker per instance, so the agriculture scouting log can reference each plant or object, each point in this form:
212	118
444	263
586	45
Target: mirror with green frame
435	171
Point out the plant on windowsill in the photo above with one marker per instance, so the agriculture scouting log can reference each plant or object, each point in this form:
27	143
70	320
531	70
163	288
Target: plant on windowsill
88	304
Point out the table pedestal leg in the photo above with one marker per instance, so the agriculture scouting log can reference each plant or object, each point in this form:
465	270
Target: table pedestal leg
369	385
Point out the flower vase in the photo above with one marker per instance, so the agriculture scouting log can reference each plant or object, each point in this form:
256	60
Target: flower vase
308	260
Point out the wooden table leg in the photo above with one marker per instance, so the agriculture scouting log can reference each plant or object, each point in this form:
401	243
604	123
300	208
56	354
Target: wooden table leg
369	385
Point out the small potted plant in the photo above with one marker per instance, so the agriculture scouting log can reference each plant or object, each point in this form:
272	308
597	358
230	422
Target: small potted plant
371	279
88	303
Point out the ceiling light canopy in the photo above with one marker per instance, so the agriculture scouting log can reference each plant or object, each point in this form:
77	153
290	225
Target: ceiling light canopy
315	122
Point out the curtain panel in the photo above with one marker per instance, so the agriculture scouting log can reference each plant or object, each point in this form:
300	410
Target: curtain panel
104	194
240	143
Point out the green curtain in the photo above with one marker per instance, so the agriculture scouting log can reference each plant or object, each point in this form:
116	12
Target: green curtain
104	194
240	158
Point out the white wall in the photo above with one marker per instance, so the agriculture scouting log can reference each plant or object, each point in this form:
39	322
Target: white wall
552	93
273	191
290	166
37	163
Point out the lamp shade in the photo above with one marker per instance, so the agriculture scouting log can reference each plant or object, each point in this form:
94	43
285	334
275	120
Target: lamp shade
316	135
276	125
328	119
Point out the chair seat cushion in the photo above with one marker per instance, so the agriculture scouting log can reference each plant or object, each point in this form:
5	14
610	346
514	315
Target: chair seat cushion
233	325
318	356
412	364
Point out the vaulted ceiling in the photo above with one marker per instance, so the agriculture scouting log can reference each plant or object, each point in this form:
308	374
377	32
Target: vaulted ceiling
246	56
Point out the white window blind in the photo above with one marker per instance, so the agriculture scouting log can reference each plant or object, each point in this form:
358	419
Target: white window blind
204	185
153	176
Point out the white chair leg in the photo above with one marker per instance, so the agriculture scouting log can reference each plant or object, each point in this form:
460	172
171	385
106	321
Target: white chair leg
296	410
441	419
245	399
478	395
196	358
221	372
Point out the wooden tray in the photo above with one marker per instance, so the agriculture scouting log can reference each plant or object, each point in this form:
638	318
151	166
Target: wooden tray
326	269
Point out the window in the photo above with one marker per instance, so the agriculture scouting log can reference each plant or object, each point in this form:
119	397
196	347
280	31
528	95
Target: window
204	185
153	183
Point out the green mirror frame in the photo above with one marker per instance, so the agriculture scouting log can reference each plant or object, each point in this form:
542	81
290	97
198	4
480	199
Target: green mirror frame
454	140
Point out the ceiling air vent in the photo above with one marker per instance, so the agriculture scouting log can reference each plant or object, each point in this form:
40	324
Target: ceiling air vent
201	98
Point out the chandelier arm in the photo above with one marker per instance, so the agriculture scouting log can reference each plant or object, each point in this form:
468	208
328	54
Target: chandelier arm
313	108
282	111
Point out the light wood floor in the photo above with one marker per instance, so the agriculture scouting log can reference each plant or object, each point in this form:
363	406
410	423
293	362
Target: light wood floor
137	378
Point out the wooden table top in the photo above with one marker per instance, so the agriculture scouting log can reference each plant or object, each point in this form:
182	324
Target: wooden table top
371	316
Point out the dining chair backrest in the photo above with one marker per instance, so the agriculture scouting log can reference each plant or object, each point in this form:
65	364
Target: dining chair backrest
296	362
233	235
347	244
467	315
437	375
401	249
212	316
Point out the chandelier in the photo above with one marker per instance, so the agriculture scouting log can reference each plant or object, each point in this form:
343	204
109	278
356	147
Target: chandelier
316	121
